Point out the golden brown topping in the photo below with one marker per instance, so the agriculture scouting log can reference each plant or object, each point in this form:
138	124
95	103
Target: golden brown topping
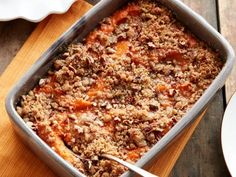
121	90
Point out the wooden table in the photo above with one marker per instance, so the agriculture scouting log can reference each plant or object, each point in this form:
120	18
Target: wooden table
202	155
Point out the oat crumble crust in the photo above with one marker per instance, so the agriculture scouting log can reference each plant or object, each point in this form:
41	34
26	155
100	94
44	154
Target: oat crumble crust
121	89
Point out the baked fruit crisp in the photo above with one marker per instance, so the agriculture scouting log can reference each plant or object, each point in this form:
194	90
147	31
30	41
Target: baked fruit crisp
121	89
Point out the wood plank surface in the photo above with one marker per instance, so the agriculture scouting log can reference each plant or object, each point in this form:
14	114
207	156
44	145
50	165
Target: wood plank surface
227	17
17	160
202	157
12	36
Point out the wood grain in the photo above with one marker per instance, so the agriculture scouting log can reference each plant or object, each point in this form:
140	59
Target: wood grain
203	155
15	158
227	17
12	36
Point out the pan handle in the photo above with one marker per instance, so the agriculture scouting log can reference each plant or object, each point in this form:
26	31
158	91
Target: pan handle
93	2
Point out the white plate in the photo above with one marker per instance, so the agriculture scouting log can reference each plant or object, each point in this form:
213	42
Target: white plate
228	135
32	10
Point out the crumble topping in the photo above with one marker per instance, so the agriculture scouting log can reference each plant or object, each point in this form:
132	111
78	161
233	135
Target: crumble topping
121	89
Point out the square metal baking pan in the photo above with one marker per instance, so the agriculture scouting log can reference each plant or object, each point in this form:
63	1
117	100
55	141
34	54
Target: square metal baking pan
77	32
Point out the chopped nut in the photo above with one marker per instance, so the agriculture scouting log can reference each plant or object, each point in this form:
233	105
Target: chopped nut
121	89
